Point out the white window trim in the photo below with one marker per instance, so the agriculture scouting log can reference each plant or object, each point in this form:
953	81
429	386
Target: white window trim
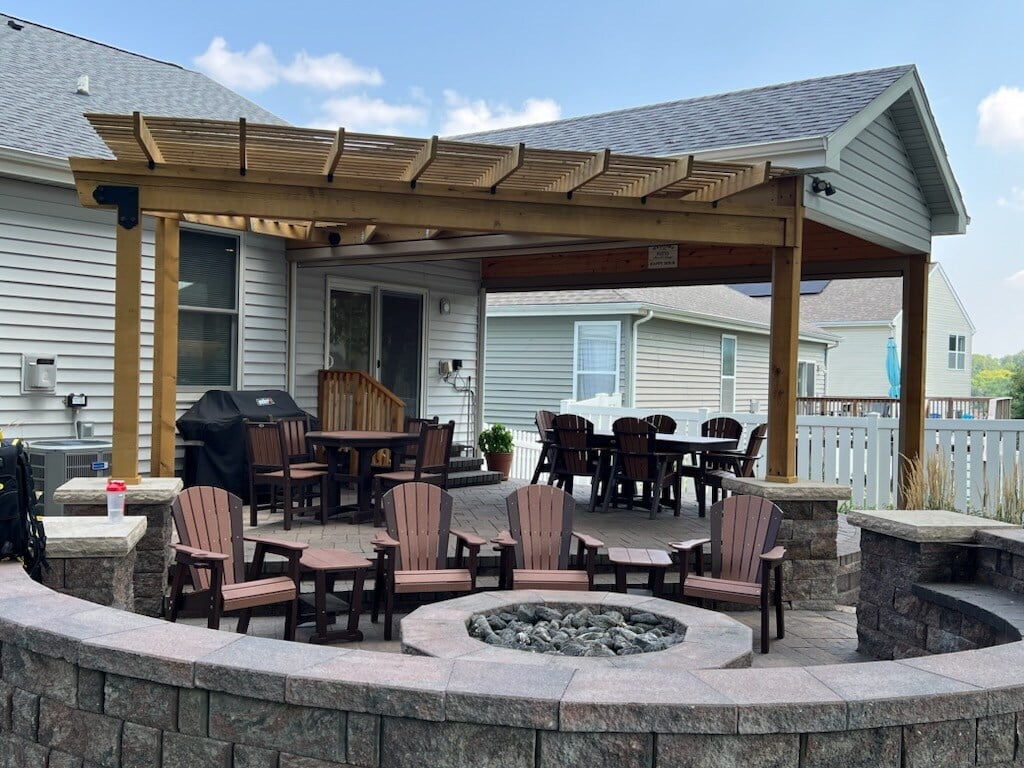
723	376
814	377
960	354
575	353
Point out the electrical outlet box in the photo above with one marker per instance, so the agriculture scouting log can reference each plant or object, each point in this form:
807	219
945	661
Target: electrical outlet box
444	368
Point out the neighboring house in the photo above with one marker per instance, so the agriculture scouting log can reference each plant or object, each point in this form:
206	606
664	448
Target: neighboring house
674	347
863	314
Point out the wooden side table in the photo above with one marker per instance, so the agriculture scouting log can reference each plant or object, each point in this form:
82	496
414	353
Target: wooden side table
327	565
654	561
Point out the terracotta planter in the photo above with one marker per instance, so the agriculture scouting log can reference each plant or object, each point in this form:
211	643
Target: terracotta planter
499	462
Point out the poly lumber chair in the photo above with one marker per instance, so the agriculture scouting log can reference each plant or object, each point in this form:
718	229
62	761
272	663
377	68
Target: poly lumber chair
743	555
719	465
636	459
269	464
209	524
431	463
412	556
534	551
723	427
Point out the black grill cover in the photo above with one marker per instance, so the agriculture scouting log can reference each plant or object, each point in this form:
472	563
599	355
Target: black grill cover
214	426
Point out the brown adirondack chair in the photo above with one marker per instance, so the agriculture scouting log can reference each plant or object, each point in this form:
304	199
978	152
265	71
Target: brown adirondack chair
637	460
724	427
433	454
269	465
663	423
412	556
534	552
743	555
546	461
719	465
575	455
209	525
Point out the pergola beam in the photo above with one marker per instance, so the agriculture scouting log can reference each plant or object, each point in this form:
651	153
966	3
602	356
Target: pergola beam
596	166
504	168
663	178
754	176
334	154
145	140
422	161
913	404
165	347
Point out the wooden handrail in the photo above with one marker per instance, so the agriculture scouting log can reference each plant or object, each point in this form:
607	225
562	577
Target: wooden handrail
356	400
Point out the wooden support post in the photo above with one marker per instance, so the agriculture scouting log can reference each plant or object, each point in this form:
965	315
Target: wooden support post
913	403
165	347
782	356
127	341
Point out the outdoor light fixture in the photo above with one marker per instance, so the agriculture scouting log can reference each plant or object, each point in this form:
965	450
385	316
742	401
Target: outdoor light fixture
445	307
818	185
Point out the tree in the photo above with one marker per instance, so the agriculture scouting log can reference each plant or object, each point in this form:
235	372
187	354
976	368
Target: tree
1017	393
991	383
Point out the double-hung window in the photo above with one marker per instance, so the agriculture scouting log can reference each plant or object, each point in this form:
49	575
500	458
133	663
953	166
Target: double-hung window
207	309
957	352
728	401
596	359
805	371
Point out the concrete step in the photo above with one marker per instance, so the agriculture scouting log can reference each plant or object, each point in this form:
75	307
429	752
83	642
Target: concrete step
473	477
465	463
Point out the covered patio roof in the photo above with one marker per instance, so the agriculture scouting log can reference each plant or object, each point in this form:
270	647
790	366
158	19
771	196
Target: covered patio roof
332	188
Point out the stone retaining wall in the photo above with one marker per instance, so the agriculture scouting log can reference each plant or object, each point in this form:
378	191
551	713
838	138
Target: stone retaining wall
84	686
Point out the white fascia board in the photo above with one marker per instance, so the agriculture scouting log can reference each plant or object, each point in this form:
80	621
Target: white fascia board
854	324
32	166
807	154
550	310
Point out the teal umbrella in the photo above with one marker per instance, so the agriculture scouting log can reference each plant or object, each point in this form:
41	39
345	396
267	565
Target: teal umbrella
892	367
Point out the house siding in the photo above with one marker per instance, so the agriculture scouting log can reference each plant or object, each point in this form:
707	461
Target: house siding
449	336
945	318
856	368
877	190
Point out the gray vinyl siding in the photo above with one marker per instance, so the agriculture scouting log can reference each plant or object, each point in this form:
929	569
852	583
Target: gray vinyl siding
450	336
264	310
529	364
877	190
856	367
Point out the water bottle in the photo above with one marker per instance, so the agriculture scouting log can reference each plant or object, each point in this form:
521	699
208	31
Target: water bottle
115	500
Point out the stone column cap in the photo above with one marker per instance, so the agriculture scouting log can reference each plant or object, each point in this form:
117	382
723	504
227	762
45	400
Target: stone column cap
802	490
93	490
73	537
923	525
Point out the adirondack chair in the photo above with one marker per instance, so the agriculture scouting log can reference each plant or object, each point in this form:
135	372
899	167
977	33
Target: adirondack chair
723	427
412	556
269	465
637	460
433	455
546	461
534	551
743	553
719	465
575	455
209	525
663	424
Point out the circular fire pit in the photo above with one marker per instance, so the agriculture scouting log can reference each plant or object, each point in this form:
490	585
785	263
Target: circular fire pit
577	629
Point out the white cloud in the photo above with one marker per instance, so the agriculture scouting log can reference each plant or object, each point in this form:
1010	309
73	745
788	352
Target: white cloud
1001	119
463	115
1015	200
330	72
1016	278
253	70
368	115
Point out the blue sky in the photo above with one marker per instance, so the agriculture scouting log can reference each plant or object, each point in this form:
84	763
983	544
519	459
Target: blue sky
443	67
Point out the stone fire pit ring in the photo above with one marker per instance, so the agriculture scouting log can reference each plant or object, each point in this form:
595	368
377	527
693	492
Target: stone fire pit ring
713	640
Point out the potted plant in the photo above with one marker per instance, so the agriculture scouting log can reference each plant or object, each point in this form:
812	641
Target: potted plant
496	443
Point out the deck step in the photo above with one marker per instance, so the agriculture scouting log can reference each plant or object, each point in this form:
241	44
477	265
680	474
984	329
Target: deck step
465	464
473	477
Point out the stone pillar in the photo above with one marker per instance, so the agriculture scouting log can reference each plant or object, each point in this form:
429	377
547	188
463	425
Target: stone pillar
86	496
93	559
900	548
810	522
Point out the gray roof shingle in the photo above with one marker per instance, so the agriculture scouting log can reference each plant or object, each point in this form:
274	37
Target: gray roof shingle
802	109
41	112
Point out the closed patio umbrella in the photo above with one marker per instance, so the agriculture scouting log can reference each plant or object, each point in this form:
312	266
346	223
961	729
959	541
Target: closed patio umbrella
892	367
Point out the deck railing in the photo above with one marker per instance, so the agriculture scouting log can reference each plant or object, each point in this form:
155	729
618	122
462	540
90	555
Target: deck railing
938	407
355	400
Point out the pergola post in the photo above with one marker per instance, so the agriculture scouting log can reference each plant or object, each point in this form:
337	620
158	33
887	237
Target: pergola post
782	356
913	404
165	347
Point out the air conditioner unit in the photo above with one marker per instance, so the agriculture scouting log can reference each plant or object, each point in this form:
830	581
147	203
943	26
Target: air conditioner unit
56	461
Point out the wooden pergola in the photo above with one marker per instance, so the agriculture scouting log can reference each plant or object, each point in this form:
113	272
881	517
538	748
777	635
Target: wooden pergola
351	198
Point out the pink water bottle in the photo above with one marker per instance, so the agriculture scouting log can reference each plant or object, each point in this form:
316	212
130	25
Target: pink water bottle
115	500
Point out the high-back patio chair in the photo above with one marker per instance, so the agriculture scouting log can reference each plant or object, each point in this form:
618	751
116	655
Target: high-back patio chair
663	423
637	460
300	453
743	557
546	461
534	551
724	427
412	556
269	465
433	455
414	424
209	525
719	465
575	455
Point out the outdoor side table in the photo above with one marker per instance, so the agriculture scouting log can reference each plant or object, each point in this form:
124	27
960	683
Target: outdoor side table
654	561
327	565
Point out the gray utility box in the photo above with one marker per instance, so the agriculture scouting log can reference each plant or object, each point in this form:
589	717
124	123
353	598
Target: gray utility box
56	461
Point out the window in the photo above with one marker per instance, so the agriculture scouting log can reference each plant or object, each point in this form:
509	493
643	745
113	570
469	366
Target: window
207	310
596	359
957	352
805	372
728	404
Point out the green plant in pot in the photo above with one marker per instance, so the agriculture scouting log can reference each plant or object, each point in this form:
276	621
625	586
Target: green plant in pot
496	444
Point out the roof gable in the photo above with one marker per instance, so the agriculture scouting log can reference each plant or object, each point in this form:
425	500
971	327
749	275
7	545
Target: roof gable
42	113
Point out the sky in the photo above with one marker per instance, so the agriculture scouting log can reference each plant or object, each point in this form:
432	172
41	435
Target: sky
418	69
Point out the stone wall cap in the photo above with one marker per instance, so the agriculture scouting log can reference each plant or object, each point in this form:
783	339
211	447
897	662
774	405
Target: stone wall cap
922	525
73	537
93	490
1007	539
802	490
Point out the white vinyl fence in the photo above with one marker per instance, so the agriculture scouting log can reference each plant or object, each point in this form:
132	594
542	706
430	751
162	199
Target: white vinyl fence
984	455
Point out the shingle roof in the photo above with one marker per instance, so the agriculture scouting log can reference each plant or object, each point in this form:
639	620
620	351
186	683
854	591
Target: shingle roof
802	109
41	112
860	300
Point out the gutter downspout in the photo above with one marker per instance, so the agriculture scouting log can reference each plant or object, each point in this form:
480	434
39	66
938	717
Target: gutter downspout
632	362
